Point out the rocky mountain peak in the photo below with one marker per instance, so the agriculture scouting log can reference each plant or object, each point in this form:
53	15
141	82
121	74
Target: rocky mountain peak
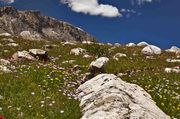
8	10
30	24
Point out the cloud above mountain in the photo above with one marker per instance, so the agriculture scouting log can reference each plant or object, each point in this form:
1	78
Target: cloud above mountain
92	7
7	1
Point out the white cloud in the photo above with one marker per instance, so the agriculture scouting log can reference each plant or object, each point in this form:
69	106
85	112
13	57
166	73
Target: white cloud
92	7
140	2
7	1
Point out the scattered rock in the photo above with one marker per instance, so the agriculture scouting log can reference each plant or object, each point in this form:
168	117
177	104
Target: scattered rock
8	40
173	60
151	50
87	42
99	63
130	44
69	43
5	69
108	97
173	49
111	49
5	34
4	62
117	44
69	62
48	47
77	51
178	53
87	56
13	44
173	70
22	55
142	44
39	54
119	55
109	44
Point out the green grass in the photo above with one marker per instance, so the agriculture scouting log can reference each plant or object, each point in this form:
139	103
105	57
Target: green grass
46	90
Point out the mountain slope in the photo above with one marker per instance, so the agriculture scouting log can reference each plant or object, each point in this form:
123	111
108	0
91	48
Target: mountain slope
32	25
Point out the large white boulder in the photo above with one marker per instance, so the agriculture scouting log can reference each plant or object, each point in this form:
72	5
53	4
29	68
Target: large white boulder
151	50
99	63
108	97
142	44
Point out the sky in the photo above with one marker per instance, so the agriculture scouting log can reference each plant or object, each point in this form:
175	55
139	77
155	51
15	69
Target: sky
115	21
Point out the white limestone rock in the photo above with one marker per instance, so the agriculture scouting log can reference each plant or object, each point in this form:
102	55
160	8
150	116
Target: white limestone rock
4	62
119	55
13	44
173	70
173	49
172	60
142	44
131	45
5	69
151	50
5	34
99	63
108	97
22	55
78	51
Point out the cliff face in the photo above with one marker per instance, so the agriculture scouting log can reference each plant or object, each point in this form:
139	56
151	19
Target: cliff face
32	25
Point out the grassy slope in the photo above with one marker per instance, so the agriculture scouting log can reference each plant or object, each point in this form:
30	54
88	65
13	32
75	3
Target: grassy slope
38	90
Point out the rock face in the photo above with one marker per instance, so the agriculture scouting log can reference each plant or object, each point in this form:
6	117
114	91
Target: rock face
32	25
151	50
108	97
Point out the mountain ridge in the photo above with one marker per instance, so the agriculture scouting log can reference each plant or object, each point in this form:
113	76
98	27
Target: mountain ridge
30	24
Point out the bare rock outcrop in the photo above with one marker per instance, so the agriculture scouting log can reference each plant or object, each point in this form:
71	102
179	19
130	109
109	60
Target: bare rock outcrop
108	97
32	25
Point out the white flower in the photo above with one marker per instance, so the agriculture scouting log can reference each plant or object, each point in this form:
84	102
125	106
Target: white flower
62	111
32	93
50	104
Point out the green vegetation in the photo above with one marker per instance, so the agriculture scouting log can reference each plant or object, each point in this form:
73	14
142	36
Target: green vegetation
46	90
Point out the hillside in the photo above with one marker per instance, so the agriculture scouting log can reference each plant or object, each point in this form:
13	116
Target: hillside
46	88
32	25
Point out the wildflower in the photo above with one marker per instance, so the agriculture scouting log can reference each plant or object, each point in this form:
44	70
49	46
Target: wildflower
0	108
32	93
50	104
62	111
1	117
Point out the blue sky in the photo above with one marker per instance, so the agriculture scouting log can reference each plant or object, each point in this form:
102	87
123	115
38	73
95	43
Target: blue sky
156	22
